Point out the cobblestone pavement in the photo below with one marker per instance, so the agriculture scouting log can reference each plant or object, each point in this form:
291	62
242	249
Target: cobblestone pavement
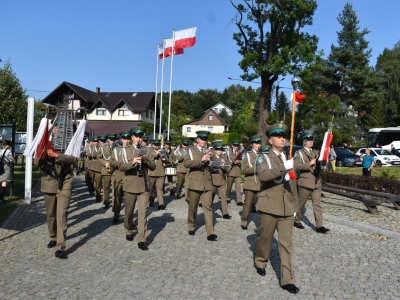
358	259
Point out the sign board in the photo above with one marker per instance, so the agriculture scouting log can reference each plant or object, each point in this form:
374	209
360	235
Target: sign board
20	142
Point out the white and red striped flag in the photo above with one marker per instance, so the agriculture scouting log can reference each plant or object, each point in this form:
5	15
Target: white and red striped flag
185	38
166	48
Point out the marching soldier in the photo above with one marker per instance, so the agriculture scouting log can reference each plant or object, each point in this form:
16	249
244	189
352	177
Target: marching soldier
219	180
275	207
309	183
104	160
181	171
89	175
235	174
118	176
136	185
170	178
200	185
251	185
95	167
157	176
145	142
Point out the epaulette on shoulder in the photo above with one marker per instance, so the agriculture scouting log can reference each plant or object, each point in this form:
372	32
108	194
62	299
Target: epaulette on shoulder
260	159
296	154
186	153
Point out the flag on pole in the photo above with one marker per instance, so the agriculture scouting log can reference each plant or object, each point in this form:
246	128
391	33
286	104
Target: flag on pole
298	97
323	156
167	49
185	38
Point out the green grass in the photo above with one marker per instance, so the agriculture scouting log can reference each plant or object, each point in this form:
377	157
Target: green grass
384	172
18	191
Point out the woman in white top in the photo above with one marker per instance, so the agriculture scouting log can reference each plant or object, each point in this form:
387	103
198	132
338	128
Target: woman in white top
6	171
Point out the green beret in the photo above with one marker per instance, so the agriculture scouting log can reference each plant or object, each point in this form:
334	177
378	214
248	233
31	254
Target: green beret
112	136
309	135
156	142
137	130
277	129
235	143
219	147
255	138
126	134
203	133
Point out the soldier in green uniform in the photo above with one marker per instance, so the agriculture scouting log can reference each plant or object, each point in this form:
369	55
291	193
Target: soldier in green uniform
136	185
275	207
145	141
181	171
157	177
200	185
118	176
95	167
235	174
309	182
251	184
219	179
170	178
103	159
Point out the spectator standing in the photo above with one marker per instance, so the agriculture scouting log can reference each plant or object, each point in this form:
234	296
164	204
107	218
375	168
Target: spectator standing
332	160
368	162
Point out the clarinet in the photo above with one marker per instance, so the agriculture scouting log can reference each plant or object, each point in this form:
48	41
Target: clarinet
139	167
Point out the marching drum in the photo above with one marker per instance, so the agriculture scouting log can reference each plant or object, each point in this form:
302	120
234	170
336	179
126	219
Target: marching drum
170	171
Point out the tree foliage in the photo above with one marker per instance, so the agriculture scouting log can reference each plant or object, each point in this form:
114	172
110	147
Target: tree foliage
274	44
13	104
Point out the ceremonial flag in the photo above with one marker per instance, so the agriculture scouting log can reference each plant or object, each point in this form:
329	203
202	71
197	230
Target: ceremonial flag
298	97
166	49
185	38
323	157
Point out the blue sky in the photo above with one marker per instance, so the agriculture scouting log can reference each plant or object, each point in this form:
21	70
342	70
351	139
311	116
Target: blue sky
113	44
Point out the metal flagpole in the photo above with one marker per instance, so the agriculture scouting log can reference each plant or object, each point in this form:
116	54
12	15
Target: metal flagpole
162	84
170	81
156	100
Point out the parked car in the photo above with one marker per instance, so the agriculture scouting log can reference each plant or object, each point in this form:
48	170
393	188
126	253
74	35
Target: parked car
381	157
396	152
347	158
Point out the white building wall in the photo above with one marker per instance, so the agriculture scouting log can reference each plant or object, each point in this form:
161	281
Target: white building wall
115	116
220	107
190	130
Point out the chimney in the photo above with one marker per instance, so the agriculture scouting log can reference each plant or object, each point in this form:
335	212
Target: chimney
97	90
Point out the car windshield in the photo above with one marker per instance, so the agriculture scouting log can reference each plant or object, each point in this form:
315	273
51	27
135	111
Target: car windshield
382	152
343	152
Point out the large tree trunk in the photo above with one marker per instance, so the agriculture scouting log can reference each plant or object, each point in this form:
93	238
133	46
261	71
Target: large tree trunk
264	109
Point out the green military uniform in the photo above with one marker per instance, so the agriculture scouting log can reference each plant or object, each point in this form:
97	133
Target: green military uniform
117	177
181	171
251	184
57	195
234	175
103	158
136	188
219	181
199	186
275	208
157	177
308	184
170	178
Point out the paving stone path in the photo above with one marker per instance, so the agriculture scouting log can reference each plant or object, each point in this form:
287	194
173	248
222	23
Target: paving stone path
358	259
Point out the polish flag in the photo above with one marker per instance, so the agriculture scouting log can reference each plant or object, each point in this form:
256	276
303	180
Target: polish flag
185	38
323	156
166	48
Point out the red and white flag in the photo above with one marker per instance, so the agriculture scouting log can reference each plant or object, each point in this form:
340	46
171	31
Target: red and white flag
166	48
323	156
185	38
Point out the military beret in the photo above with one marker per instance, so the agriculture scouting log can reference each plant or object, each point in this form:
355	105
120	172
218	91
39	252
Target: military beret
277	129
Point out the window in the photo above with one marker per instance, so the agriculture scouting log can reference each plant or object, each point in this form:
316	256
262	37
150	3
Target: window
100	112
188	129
210	118
147	114
123	112
151	115
216	109
210	128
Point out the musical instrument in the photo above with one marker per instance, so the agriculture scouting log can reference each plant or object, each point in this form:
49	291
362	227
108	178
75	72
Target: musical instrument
240	154
170	171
